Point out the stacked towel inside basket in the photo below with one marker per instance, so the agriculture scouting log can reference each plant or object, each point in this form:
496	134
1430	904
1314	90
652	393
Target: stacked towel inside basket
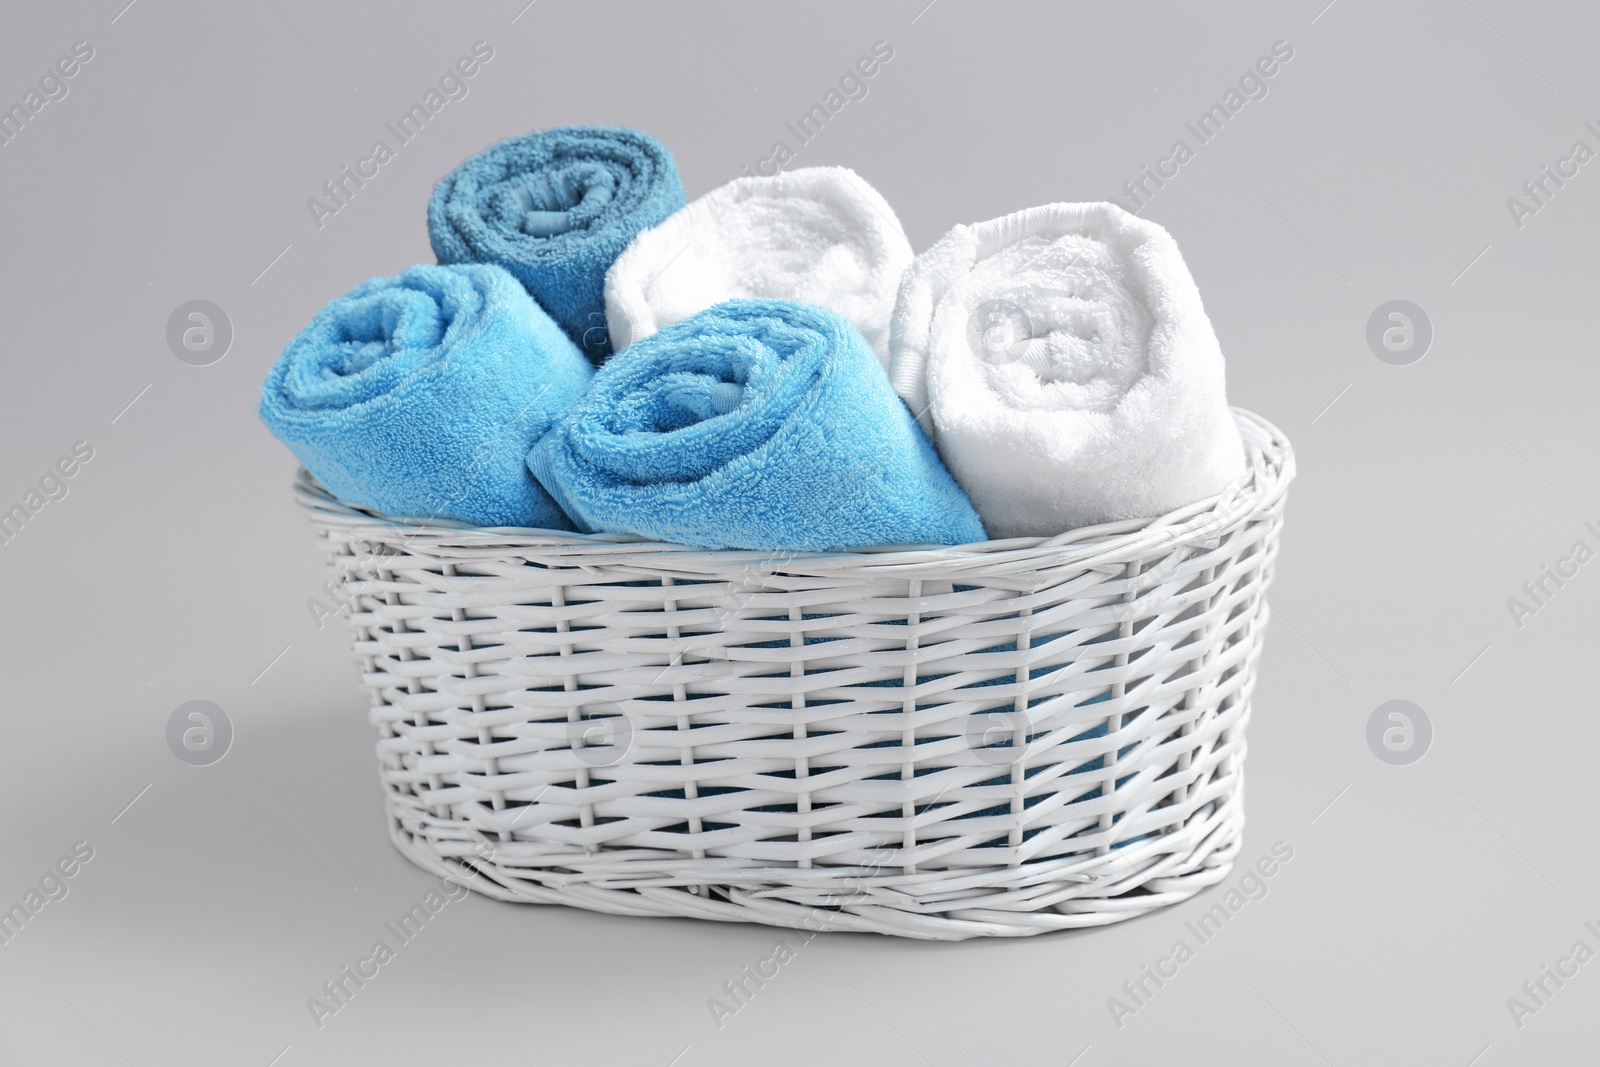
556	208
777	369
763	424
1064	365
819	234
417	396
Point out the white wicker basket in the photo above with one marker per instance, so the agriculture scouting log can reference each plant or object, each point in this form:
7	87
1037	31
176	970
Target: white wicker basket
997	739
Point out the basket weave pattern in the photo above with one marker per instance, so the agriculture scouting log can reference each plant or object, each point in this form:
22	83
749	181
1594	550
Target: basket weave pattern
996	739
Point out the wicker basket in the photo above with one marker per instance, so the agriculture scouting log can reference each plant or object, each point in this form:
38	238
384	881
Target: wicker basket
996	739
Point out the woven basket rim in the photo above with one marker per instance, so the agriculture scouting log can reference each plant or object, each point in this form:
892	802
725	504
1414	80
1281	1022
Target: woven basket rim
1270	467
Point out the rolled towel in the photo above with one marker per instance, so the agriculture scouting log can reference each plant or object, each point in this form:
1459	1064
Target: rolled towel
555	208
819	234
418	396
1062	361
758	424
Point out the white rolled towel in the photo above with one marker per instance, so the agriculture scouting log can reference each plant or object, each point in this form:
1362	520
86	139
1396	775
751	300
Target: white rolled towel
820	235
1063	364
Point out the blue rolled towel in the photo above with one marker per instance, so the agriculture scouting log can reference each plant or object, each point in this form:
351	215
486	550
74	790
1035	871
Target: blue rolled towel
758	424
555	208
418	396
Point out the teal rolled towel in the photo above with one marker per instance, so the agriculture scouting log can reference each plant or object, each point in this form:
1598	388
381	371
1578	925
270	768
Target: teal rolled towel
418	396
555	208
755	424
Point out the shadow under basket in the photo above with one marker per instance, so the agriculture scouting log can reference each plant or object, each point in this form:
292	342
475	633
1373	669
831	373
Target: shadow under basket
996	739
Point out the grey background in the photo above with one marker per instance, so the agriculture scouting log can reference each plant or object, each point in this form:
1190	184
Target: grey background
1377	168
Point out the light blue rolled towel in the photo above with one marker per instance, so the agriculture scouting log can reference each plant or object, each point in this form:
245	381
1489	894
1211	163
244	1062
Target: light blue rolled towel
556	207
418	396
756	424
